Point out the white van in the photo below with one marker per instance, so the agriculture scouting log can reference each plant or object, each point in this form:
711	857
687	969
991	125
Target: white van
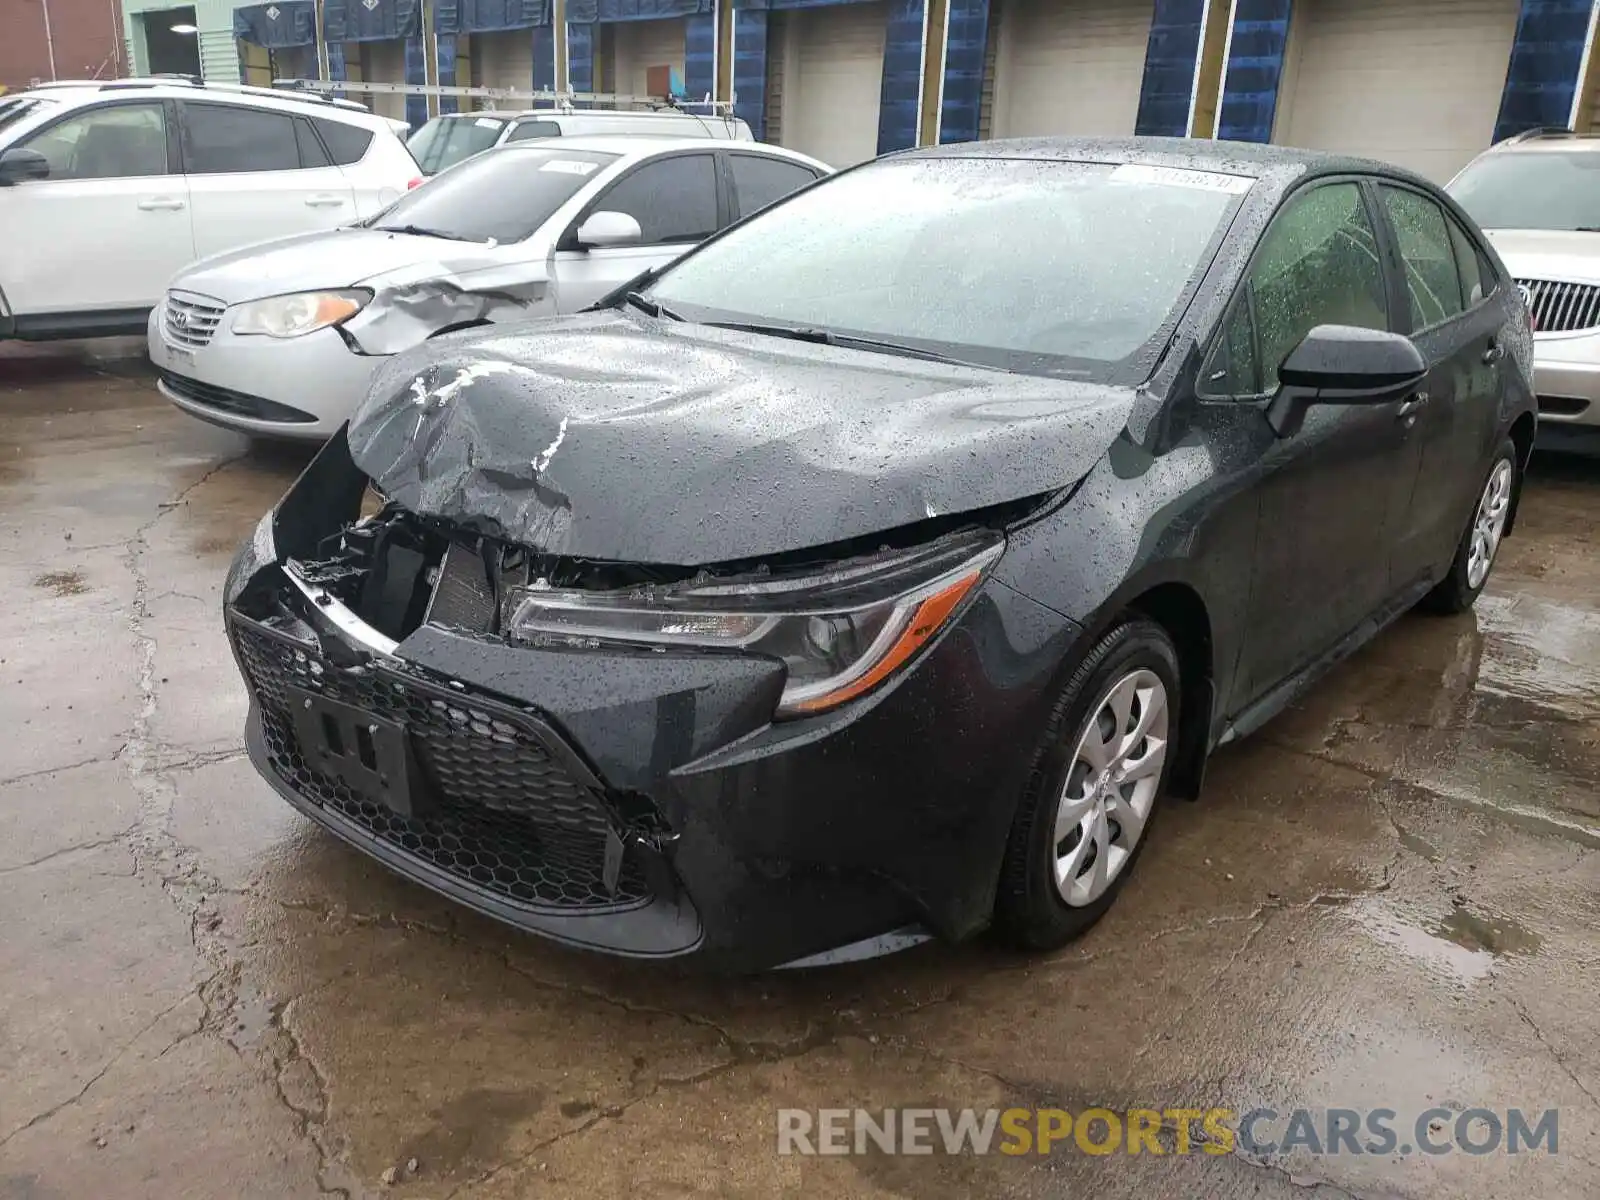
446	140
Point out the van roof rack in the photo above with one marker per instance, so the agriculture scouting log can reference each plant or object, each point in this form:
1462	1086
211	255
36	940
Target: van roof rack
564	101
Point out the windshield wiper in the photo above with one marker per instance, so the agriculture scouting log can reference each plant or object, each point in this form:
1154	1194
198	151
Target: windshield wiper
827	337
653	307
423	231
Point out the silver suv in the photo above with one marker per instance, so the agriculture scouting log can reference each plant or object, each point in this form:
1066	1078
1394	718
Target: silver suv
1537	196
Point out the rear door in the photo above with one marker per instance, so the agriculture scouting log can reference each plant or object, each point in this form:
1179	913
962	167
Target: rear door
677	199
257	173
1455	414
762	179
109	225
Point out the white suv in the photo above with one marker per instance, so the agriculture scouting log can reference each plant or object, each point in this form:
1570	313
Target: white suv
1537	196
108	190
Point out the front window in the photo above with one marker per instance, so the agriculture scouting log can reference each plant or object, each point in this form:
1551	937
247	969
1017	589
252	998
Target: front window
1537	190
445	141
14	109
1029	265
501	197
123	141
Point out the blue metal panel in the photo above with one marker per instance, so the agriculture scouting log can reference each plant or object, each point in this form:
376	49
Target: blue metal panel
277	25
580	57
750	69
606	11
1255	68
699	56
544	57
354	21
1545	60
1169	65
416	72
901	98
444	53
963	70
768	4
489	16
336	65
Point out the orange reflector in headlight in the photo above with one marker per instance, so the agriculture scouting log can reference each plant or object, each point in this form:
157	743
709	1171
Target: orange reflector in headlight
926	620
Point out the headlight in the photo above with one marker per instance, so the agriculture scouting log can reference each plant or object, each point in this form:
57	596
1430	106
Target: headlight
839	633
297	315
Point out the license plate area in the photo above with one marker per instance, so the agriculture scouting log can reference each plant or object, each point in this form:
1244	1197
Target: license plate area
368	754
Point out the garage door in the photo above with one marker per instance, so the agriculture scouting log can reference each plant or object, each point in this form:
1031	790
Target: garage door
385	62
1069	67
1412	82
640	45
503	60
832	81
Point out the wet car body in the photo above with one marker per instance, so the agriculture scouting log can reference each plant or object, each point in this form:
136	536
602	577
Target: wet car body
721	454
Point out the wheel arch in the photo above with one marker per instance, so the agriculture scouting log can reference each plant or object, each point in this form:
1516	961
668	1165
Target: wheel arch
1521	433
1178	608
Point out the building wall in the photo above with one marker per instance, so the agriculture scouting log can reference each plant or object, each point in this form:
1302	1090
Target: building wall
87	35
219	55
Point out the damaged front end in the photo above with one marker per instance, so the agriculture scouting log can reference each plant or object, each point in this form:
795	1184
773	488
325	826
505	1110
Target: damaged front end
473	795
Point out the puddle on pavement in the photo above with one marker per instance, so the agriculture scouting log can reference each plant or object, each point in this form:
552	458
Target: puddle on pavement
62	583
1540	651
1464	946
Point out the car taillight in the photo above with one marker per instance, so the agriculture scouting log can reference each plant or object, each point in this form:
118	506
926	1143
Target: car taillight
415	183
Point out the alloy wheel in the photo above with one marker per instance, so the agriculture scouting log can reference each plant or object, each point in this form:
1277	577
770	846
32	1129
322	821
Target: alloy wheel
1489	524
1111	786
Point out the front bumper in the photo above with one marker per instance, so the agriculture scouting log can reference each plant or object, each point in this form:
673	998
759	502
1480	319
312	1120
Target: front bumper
302	388
1566	376
646	804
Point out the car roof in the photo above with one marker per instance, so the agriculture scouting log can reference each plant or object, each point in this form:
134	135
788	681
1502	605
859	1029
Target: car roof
643	145
518	114
78	92
1251	160
1547	141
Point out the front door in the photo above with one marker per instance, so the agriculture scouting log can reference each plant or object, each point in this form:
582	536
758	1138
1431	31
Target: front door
109	225
1325	493
1457	327
256	174
676	203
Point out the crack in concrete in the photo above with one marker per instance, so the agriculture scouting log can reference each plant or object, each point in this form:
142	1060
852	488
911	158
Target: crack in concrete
1555	1054
42	772
79	847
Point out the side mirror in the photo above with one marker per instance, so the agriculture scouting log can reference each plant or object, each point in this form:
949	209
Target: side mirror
609	229
19	166
1341	364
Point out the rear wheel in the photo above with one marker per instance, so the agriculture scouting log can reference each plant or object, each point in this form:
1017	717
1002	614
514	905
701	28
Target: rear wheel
1475	555
1099	773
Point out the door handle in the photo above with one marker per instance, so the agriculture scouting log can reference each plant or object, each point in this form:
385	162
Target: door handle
161	203
1410	407
1493	354
324	201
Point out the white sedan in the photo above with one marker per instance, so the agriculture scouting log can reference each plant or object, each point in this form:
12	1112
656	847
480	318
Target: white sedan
280	339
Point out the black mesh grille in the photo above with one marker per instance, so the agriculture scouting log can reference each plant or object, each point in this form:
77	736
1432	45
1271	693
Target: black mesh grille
505	815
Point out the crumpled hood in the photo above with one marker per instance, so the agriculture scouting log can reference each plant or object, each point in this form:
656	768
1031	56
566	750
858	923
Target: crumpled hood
1558	254
609	437
330	258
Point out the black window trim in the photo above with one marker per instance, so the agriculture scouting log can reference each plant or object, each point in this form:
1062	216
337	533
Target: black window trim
1244	292
1398	263
185	104
169	114
569	237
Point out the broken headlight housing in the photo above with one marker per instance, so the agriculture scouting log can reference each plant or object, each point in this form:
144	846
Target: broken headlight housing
298	314
840	632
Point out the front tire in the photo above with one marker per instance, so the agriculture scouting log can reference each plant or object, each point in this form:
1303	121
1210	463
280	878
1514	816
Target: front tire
1099	772
1474	560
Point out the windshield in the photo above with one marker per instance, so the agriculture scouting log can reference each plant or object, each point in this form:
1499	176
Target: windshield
1540	190
14	109
500	197
445	141
1028	265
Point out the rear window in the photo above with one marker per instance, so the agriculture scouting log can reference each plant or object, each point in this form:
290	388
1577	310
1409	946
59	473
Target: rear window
347	144
526	130
759	181
445	141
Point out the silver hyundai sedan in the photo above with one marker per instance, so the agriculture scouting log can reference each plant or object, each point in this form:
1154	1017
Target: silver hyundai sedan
281	338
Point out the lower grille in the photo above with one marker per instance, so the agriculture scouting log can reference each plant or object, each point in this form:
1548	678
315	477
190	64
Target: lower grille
505	815
239	404
1563	406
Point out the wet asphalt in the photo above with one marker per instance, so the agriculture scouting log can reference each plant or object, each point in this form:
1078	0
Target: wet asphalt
1386	899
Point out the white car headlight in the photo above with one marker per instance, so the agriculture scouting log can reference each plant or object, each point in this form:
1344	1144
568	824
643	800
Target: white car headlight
298	314
840	633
